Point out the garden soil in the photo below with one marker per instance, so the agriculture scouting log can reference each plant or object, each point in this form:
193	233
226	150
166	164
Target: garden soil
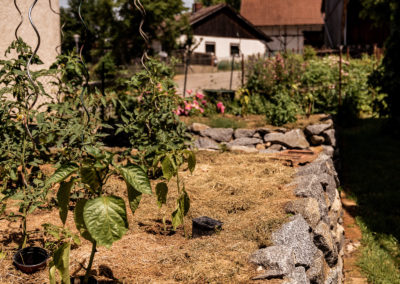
244	191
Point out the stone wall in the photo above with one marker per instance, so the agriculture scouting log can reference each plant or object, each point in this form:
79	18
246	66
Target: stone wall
309	247
264	140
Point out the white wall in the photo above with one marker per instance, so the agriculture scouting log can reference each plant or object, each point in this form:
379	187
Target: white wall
294	39
223	46
44	19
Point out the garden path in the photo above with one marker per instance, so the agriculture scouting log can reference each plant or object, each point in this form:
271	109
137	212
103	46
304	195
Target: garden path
201	81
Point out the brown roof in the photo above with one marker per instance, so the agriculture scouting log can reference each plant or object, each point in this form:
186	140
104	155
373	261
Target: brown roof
282	12
204	13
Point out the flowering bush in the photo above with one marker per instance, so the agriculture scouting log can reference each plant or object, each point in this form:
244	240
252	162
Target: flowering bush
311	84
198	104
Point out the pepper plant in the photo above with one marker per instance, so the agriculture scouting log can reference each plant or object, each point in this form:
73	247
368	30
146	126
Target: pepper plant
100	218
159	138
23	134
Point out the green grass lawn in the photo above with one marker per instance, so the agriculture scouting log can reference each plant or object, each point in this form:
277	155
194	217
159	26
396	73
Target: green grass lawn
371	174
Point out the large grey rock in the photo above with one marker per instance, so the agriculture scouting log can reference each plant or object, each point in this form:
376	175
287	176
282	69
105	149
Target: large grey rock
306	207
317	140
263	130
292	139
330	137
298	276
245	141
310	186
198	127
296	235
335	274
329	184
323	164
339	237
317	272
317	129
276	147
241	133
328	150
335	212
324	241
277	260
206	143
218	134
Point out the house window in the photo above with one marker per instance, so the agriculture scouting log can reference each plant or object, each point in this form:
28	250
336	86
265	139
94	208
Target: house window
235	49
210	47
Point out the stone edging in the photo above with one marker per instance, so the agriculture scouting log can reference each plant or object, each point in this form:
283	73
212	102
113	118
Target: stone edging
309	247
263	140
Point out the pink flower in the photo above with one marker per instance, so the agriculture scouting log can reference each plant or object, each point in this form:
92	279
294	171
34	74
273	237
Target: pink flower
221	107
204	102
159	87
200	96
188	106
201	110
195	102
189	92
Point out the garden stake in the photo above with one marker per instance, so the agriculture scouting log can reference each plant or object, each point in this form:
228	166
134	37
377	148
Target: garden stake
22	19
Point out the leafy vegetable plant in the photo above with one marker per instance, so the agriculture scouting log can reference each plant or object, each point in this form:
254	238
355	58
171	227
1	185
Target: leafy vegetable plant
23	132
157	136
101	218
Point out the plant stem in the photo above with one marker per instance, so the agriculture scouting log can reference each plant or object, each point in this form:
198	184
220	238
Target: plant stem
89	268
24	188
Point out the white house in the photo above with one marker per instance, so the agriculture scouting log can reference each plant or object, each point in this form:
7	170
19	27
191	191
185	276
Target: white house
221	31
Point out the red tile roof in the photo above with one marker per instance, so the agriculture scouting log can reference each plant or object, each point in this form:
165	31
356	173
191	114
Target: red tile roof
282	12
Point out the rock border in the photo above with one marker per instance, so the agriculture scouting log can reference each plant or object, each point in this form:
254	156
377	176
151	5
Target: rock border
263	140
309	248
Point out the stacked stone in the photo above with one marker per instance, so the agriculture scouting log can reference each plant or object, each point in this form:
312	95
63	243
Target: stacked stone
309	248
263	140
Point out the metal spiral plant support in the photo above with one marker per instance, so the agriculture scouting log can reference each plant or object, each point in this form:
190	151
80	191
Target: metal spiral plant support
58	48
36	89
141	9
87	76
22	19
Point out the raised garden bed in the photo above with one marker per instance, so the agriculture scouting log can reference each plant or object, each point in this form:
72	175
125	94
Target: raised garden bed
245	192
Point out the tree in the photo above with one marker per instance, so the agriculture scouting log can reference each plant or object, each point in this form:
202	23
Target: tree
113	26
235	4
384	12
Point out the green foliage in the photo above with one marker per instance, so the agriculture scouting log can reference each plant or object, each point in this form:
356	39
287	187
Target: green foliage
105	219
149	117
24	132
281	109
114	25
287	85
390	81
226	122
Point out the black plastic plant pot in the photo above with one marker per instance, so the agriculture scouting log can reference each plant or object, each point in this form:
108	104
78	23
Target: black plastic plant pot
31	259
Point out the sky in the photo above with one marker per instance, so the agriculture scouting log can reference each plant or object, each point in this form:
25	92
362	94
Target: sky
188	3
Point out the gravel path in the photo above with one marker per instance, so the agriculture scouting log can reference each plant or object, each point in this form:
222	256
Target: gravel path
201	81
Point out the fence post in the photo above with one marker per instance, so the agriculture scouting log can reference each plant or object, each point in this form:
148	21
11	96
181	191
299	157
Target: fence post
242	70
232	66
187	62
340	75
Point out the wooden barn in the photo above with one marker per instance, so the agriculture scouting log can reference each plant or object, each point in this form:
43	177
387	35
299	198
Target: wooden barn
290	24
221	31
